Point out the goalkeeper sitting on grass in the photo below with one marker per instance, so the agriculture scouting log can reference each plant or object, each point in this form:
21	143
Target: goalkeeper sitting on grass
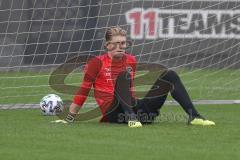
112	74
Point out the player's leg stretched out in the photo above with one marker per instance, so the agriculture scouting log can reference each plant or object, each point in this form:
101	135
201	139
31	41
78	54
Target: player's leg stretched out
156	98
146	109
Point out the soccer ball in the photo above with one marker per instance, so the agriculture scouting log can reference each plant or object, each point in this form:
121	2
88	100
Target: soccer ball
51	104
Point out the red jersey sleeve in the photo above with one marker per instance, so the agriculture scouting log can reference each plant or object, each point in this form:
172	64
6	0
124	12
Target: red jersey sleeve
91	71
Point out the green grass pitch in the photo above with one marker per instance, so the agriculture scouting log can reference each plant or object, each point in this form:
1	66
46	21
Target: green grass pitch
27	135
30	87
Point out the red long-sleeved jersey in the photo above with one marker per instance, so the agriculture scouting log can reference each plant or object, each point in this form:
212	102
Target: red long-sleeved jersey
101	73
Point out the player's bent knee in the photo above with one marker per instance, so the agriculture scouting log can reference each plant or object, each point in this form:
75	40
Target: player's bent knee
171	76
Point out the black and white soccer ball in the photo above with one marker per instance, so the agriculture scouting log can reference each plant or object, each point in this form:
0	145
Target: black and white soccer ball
51	104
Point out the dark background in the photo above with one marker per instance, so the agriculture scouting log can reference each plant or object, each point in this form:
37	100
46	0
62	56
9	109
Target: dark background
41	32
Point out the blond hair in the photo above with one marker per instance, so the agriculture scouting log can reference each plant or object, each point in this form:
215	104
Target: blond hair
114	31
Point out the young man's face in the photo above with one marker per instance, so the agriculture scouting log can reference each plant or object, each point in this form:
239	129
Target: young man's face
116	47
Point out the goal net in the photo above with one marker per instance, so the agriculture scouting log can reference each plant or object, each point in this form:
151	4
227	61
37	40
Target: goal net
198	38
